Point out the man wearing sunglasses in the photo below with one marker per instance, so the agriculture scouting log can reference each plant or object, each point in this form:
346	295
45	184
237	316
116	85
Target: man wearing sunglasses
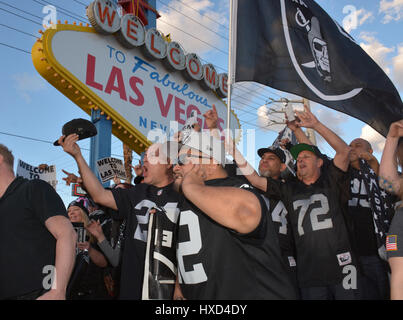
227	248
134	205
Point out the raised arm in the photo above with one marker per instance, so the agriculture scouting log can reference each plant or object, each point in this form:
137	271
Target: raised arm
308	120
246	169
113	255
299	134
389	178
90	181
234	208
211	118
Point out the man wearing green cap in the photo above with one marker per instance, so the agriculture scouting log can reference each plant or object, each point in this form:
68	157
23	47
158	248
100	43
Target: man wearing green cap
316	202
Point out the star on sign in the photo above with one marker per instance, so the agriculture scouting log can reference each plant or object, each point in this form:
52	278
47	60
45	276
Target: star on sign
383	194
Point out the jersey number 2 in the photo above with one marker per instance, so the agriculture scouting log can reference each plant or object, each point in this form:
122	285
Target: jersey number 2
193	246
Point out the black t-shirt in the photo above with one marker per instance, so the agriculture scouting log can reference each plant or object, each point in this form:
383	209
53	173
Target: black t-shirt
279	215
316	214
361	214
134	205
215	262
26	245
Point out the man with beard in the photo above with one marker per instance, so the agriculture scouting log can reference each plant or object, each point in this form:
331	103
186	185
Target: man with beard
271	164
134	205
227	246
317	202
374	280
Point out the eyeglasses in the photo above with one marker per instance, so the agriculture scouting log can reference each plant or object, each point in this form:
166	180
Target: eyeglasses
183	158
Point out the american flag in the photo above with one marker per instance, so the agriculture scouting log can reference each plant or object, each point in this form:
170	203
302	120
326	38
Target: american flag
391	243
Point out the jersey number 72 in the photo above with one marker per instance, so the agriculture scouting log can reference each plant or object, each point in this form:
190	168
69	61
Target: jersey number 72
305	207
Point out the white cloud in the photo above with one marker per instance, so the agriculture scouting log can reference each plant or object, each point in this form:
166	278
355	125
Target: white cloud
365	16
397	63
332	119
376	140
26	84
356	19
393	10
180	16
376	50
393	66
268	121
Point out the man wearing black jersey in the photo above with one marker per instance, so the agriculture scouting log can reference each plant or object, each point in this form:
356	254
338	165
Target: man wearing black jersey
227	248
271	164
134	205
316	203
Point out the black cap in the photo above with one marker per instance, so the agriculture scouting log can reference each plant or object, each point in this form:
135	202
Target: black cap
295	150
277	151
81	203
84	129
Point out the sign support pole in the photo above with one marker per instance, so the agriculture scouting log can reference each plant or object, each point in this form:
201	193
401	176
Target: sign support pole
101	144
151	16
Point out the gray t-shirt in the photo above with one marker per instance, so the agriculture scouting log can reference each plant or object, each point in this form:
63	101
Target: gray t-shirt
394	239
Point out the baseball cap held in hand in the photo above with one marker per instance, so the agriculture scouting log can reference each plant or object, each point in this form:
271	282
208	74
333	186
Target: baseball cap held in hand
84	129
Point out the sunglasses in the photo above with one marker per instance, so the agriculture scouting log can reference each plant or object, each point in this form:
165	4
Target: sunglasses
184	158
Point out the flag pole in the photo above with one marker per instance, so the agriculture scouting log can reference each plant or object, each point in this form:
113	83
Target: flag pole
230	66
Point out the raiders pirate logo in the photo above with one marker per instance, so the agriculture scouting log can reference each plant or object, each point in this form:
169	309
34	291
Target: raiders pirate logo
312	59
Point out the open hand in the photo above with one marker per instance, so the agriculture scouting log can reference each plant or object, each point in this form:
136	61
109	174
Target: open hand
194	176
94	227
306	118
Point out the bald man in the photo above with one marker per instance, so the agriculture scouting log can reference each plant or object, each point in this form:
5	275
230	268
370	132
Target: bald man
375	283
362	149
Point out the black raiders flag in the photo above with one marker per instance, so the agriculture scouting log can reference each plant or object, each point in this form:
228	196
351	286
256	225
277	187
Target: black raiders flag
160	268
295	46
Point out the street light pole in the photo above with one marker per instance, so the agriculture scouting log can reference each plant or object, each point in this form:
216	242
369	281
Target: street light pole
309	132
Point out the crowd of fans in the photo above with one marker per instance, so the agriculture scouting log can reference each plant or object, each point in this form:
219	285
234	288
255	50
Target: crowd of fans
194	226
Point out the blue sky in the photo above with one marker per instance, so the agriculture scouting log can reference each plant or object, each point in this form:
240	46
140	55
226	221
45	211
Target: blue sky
33	112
